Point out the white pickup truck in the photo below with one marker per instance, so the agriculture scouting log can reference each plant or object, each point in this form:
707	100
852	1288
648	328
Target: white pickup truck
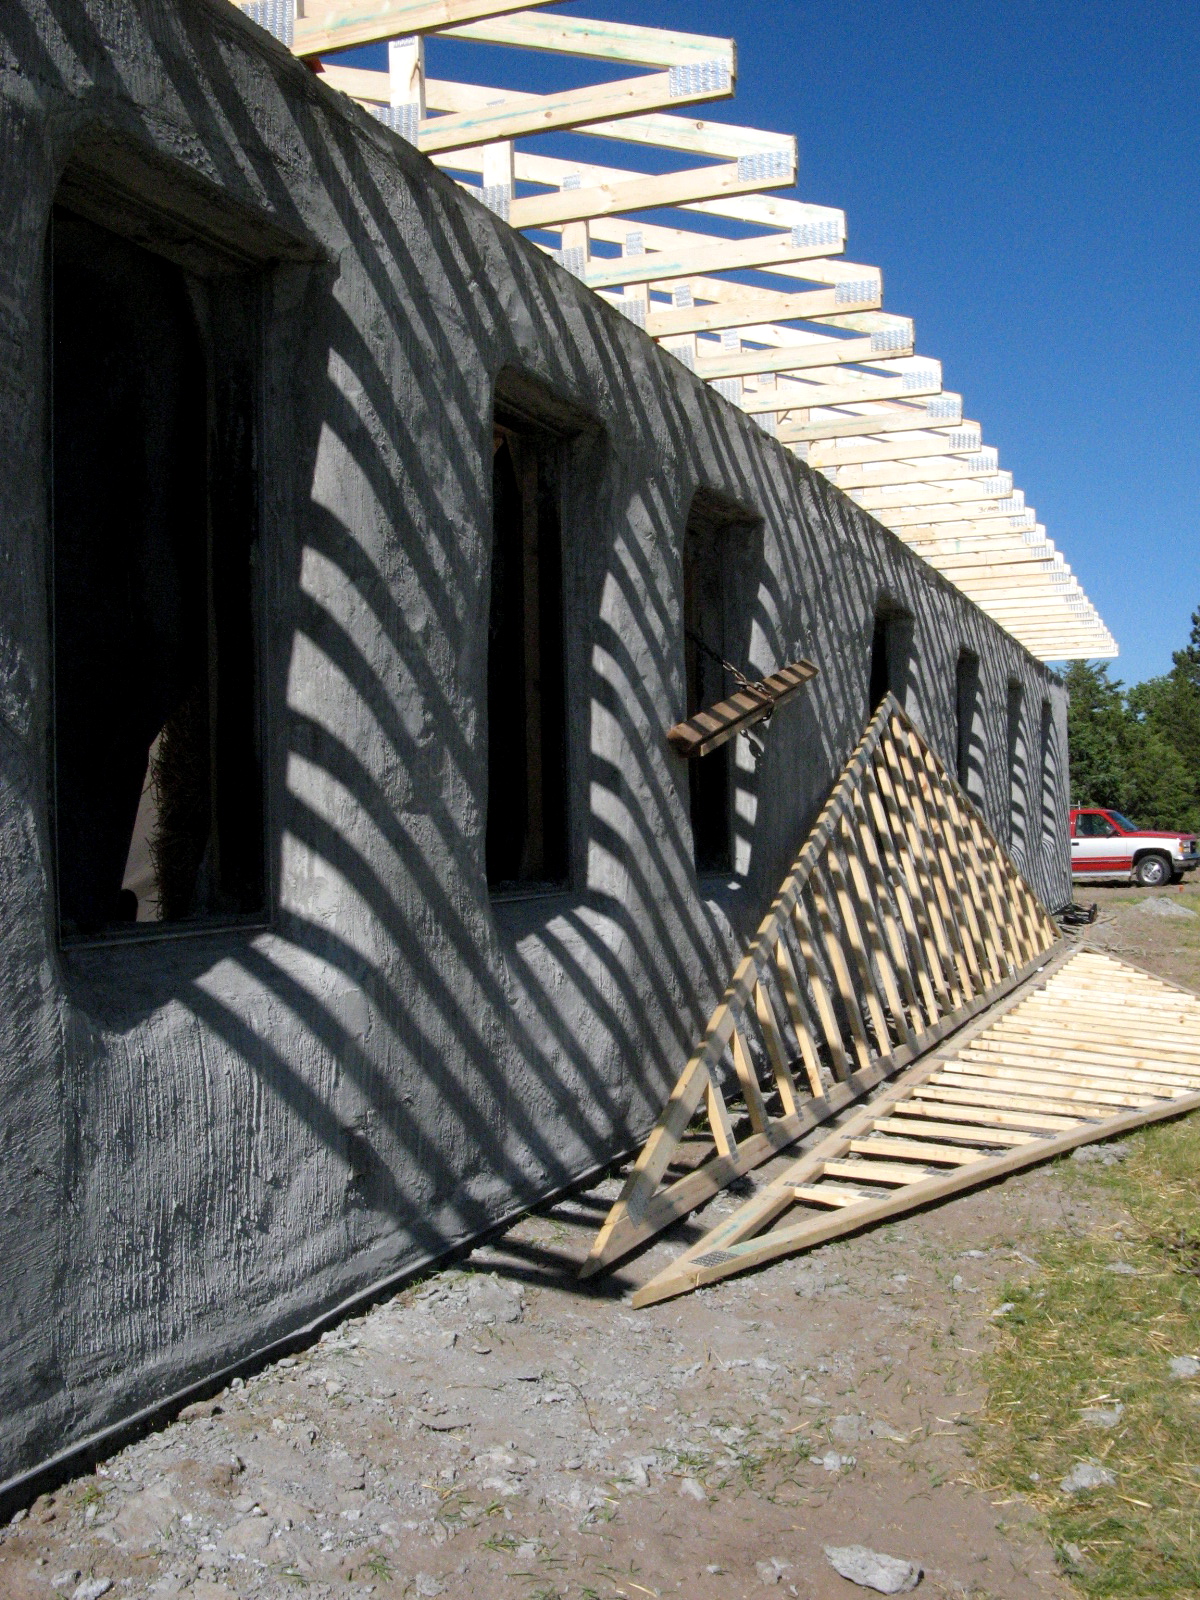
1105	844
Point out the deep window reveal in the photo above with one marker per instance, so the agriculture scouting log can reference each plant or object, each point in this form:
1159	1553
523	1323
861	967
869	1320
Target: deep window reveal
158	799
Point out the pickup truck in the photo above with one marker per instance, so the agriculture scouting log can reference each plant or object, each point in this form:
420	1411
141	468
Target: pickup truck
1105	844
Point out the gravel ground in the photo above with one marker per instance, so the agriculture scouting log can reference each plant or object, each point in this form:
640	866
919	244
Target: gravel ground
499	1431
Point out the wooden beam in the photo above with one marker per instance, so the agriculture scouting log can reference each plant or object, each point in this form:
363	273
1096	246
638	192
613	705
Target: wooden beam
933	439
637	194
823	353
694	136
898	418
600	41
337	24
710	729
889	339
477	114
927	490
988	536
792	396
940	472
952	513
569	108
956	527
715	318
719	255
668	241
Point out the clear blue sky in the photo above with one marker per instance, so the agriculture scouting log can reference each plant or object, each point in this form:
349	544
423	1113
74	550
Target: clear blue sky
1028	178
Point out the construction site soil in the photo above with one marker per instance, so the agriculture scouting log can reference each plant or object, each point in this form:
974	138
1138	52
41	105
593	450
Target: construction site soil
499	1430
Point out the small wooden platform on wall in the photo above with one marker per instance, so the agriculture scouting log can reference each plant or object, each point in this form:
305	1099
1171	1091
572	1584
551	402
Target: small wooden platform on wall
753	703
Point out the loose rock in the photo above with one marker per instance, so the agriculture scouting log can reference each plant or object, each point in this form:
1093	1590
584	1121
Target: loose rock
1161	907
1102	1416
1086	1475
870	1570
771	1572
92	1588
1185	1367
1107	1155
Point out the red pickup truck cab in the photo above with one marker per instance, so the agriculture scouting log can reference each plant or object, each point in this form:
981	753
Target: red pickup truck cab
1105	844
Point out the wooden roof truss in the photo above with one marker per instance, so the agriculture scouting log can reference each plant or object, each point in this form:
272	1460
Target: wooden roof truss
766	311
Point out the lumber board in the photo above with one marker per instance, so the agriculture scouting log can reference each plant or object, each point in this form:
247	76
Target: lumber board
631	44
795	395
822	352
337	24
644	193
715	255
569	108
713	727
457	123
899	418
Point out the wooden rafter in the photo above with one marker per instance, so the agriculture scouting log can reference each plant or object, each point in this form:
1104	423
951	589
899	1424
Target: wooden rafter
834	401
894	419
932	439
791	395
337	24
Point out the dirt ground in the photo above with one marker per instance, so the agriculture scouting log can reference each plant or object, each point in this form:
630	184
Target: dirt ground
500	1432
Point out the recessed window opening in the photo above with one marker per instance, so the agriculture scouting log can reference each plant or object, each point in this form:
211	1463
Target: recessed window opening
969	724
157	773
1017	774
891	646
709	554
527	745
1046	770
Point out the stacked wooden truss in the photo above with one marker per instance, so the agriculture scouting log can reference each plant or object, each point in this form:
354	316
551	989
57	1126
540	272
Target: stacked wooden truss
818	363
899	921
1086	1049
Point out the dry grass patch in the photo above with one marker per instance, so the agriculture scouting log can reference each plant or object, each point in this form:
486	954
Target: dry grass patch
1095	1331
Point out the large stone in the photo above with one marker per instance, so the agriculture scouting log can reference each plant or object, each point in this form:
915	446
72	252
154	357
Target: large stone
1085	1476
871	1570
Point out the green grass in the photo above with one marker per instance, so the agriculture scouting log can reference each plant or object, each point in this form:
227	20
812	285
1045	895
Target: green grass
1081	1335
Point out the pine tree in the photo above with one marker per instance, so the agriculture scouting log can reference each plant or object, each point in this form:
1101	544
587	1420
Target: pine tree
1138	752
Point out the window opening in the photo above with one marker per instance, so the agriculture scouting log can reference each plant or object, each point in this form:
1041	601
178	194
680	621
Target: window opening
157	774
527	789
1045	754
1017	775
710	778
969	751
891	644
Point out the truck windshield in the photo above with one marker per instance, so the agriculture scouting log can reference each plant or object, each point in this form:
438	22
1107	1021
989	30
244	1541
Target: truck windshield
1123	822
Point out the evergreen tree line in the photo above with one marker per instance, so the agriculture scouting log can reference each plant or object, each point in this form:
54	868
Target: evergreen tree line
1138	750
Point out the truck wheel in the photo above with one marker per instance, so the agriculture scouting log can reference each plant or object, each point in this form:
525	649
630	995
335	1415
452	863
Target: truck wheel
1152	872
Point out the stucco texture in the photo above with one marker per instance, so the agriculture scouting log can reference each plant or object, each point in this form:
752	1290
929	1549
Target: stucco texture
207	1141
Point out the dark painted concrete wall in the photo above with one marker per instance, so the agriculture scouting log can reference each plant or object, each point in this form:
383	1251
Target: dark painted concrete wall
206	1141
